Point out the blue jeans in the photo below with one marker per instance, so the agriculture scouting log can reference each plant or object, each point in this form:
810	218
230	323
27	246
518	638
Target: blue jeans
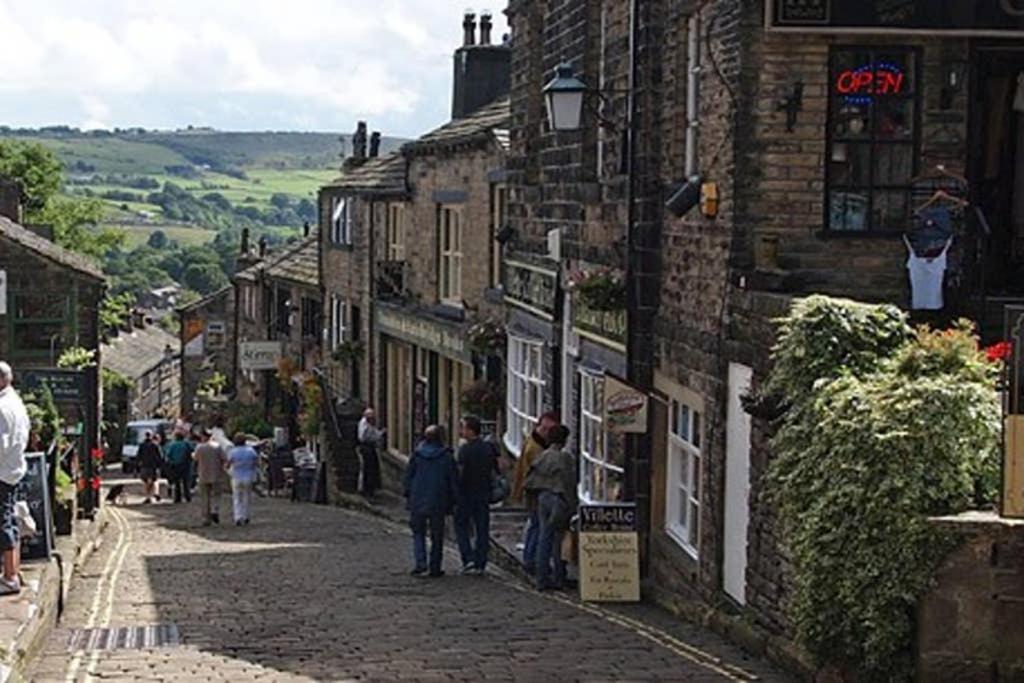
419	524
478	514
530	544
552	511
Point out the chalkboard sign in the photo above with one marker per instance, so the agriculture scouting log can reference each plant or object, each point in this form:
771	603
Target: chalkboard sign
65	385
985	17
34	490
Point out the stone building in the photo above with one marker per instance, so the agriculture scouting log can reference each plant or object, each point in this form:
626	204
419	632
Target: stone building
207	351
149	357
410	260
803	143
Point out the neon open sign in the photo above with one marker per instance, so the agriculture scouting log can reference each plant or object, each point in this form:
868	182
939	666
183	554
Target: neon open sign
862	83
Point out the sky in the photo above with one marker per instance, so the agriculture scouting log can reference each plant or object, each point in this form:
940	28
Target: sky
317	65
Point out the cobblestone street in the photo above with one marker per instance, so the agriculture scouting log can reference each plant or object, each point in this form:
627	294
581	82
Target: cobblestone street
309	593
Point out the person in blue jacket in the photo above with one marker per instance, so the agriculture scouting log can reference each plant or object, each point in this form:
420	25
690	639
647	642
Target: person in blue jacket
430	490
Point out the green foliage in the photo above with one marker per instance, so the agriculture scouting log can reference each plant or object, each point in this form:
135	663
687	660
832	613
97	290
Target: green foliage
65	486
115	311
213	386
157	239
349	351
204	278
247	419
36	167
311	400
77	358
884	429
43	415
113	380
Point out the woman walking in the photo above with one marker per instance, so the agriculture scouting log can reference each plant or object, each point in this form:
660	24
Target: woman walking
151	461
242	461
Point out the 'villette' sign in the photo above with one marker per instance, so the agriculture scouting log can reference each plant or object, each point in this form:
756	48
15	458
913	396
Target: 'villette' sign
964	17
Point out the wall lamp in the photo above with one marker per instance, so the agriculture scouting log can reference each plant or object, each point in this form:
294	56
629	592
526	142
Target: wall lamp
564	96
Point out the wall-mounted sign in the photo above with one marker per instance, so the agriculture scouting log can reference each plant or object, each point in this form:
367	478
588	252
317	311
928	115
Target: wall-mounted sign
609	553
445	339
3	292
531	288
65	385
259	355
605	327
961	17
625	407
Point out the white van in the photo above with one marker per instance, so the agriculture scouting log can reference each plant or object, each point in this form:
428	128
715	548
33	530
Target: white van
135	434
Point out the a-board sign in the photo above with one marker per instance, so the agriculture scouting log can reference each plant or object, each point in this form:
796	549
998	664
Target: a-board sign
33	489
609	553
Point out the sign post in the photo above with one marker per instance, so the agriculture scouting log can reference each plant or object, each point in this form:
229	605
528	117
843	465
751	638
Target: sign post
609	553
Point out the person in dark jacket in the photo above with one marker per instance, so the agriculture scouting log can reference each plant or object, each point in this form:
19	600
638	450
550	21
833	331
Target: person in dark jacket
151	460
430	491
552	479
477	462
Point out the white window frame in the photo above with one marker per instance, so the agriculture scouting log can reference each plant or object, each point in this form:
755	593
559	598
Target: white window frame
683	476
450	234
396	232
341	220
593	441
524	393
339	322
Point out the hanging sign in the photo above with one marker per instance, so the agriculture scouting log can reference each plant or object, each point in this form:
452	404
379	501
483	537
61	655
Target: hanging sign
259	355
625	407
609	553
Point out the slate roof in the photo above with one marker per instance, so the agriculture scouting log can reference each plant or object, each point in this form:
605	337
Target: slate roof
135	353
299	263
382	174
50	251
476	127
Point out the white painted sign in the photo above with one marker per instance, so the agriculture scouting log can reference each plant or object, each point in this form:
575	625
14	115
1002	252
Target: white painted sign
259	355
3	292
625	408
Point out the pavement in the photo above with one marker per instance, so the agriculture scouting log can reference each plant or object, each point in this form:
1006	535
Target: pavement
318	593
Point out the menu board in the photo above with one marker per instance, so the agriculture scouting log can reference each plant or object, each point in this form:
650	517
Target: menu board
609	553
34	490
977	16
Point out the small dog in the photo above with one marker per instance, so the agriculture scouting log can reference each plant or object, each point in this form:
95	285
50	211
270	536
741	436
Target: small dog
117	495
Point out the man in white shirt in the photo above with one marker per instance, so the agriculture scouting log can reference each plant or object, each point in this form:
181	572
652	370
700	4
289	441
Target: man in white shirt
370	438
14	430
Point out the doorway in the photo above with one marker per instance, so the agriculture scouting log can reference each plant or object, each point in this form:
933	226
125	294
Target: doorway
997	168
737	485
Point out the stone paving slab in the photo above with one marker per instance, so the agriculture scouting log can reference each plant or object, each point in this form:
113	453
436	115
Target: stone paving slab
310	593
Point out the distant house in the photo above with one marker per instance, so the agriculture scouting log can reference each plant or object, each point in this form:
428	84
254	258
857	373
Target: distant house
150	357
207	346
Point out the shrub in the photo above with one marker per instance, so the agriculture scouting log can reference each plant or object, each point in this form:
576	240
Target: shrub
882	432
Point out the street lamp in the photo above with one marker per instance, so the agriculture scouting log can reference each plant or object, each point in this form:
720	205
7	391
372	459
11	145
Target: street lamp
563	96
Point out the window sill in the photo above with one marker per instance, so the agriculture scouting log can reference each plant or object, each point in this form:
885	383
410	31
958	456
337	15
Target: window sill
341	246
858	234
677	536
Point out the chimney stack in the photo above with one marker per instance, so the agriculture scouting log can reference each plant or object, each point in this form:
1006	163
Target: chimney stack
243	248
375	144
469	29
10	199
305	229
485	27
359	141
263	246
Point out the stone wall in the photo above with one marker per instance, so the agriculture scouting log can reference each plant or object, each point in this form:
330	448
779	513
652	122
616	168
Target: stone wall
971	624
218	307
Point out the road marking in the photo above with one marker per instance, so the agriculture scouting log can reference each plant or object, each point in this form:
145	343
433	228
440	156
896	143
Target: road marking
112	592
94	609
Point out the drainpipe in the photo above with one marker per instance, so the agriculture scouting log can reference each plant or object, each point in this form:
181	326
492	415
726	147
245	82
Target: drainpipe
693	96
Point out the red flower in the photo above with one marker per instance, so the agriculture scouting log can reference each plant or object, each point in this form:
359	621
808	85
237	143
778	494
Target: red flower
1001	351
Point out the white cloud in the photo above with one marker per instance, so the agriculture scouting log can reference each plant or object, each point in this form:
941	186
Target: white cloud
349	58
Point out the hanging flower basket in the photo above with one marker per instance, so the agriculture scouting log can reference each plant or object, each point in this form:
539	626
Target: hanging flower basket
599	289
486	337
483	399
349	351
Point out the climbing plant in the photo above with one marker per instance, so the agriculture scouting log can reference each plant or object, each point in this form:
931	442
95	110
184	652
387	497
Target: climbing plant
885	427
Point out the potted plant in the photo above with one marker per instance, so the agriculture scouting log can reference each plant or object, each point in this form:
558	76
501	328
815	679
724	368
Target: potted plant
600	289
64	503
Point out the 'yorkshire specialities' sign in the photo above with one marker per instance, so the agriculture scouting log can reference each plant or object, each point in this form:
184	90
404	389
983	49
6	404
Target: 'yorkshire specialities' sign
609	553
964	17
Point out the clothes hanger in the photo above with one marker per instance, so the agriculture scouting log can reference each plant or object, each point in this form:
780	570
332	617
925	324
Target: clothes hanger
939	195
944	172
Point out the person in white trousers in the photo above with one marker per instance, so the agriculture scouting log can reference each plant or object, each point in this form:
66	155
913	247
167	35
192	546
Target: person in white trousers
242	462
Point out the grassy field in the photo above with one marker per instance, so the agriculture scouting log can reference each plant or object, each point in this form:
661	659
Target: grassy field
113	155
185	235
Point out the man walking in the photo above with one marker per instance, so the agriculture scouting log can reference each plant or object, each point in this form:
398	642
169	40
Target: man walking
14	431
477	463
151	461
552	479
210	463
179	461
532	448
430	493
370	439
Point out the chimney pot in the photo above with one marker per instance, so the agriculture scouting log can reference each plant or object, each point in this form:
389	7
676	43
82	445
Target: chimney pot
305	229
243	248
485	28
263	246
359	141
10	199
469	29
375	144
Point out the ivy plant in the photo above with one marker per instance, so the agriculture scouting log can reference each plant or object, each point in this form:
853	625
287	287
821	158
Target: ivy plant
886	427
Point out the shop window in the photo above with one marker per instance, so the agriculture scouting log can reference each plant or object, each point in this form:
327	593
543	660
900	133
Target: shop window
339	322
396	232
341	221
600	477
450	229
873	134
525	391
40	323
682	509
499	219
